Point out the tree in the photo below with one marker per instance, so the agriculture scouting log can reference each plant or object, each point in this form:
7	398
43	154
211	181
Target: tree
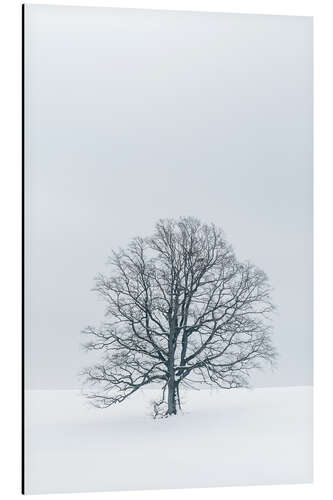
181	311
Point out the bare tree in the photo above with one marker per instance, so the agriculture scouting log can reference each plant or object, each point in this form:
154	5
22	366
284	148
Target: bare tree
181	311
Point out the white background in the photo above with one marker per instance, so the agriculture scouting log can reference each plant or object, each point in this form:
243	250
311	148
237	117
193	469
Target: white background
214	95
10	261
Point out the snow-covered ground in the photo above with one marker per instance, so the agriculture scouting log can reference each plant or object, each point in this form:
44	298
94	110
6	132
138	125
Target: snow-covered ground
236	437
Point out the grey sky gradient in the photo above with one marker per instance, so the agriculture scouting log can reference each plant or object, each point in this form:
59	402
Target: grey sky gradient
135	115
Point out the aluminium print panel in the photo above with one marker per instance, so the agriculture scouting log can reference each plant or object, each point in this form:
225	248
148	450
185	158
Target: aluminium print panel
167	249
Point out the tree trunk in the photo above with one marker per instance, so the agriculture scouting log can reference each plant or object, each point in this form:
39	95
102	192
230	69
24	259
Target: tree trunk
172	410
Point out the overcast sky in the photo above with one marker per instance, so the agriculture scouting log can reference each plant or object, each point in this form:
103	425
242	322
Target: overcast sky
135	115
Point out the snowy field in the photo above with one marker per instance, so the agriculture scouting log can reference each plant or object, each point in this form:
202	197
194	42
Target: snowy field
237	437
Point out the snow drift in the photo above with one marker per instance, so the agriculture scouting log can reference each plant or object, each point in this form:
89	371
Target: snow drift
235	437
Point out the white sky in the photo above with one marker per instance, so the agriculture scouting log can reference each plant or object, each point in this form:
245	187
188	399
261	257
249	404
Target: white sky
135	115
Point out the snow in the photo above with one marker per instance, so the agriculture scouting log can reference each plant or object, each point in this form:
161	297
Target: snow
235	437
